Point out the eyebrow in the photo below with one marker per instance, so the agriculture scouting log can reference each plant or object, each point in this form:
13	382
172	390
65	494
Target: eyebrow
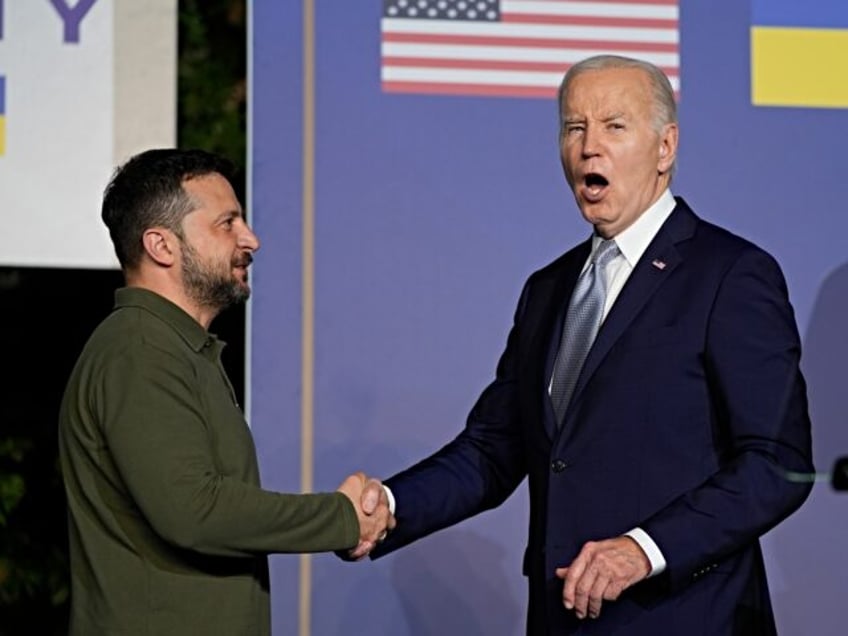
229	215
607	118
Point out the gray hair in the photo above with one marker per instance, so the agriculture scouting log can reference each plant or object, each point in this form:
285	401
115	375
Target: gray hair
665	107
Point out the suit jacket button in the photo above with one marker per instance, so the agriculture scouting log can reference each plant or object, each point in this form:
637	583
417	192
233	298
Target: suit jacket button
558	465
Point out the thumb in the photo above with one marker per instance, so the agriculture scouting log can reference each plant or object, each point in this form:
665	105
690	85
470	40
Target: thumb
371	497
561	573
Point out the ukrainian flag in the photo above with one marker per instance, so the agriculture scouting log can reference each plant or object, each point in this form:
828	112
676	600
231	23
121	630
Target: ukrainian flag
799	53
2	115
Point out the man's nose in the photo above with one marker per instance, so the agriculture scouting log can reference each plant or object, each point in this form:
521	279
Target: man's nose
591	142
248	240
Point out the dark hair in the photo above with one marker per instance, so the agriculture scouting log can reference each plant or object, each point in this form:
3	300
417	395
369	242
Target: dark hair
147	191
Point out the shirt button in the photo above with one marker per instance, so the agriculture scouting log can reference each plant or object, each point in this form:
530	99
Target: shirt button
558	465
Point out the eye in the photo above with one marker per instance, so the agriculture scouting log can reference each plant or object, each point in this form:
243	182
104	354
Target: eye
573	129
616	125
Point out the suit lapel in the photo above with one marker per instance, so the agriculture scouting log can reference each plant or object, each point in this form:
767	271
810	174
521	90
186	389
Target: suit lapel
660	259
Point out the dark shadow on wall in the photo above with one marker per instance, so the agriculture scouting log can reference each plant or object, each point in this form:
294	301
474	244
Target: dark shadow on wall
811	547
826	368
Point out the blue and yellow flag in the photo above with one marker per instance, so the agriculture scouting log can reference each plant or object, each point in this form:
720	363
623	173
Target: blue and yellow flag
2	115
799	53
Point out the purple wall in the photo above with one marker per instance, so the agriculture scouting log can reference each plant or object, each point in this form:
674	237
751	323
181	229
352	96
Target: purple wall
430	213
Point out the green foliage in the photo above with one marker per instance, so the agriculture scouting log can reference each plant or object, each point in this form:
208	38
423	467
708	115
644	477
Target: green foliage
212	85
33	565
12	485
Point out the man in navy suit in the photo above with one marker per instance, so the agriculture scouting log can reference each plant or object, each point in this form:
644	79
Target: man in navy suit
652	482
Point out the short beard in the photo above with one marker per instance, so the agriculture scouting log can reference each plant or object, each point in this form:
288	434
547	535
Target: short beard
208	287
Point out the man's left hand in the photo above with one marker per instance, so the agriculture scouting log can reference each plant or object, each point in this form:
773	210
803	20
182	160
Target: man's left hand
601	572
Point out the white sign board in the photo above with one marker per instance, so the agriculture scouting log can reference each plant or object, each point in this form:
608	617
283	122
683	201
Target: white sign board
83	84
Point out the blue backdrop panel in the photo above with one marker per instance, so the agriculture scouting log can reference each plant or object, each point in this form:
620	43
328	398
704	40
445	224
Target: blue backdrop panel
430	213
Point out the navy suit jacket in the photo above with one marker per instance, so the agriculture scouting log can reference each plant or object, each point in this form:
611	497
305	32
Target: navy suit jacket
688	414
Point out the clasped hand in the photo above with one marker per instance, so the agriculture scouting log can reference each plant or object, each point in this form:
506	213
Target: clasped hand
372	509
601	572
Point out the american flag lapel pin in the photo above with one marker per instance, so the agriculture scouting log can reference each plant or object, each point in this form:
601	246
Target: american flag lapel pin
660	265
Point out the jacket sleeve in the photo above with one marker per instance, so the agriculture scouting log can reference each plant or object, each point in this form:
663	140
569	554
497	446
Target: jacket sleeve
163	449
758	394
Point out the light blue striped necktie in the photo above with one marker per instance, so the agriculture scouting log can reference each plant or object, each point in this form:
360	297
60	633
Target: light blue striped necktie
582	322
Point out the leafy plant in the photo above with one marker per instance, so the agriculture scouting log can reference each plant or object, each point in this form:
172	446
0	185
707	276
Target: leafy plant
33	566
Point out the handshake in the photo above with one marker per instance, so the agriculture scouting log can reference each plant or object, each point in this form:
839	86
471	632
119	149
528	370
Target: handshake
371	503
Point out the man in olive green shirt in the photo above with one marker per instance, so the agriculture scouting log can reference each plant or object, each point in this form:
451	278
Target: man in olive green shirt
169	527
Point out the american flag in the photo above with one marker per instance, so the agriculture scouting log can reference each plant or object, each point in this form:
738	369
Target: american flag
518	48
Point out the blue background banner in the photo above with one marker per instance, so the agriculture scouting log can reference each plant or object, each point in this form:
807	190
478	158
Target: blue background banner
430	212
825	14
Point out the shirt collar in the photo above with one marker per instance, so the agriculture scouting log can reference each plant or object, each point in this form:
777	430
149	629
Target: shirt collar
187	327
633	241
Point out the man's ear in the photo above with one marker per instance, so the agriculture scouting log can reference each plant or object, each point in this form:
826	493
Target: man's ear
668	147
160	244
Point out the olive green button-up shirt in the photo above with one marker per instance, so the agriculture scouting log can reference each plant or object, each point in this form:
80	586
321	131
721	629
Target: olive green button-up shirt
169	527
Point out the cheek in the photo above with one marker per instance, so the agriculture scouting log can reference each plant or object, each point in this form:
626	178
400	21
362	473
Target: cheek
633	167
567	164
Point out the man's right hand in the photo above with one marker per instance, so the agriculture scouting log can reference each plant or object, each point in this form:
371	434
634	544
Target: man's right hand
372	509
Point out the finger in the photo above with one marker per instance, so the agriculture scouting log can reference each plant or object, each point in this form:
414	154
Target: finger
392	522
374	526
596	596
575	572
370	500
582	590
594	609
561	573
372	496
362	550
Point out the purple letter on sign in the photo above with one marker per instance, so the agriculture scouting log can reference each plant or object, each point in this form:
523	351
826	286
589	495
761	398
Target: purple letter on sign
72	17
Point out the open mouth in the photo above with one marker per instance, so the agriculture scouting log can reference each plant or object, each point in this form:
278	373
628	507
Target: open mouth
594	185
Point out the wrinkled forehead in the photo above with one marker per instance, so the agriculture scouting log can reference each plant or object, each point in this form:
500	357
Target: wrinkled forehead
607	92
